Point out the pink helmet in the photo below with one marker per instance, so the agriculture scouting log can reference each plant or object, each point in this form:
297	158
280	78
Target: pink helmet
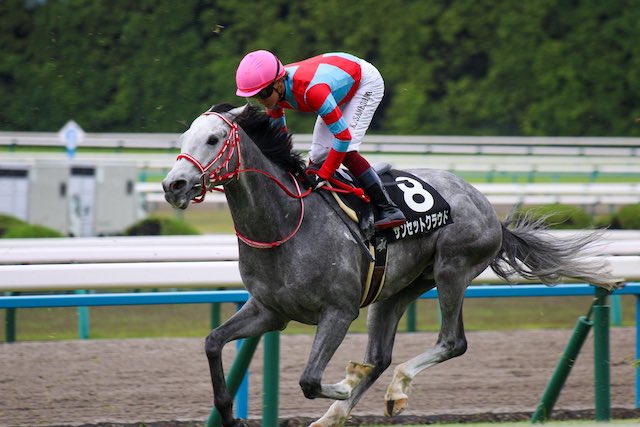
256	71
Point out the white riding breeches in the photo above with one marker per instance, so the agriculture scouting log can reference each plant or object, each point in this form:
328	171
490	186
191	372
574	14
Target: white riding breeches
358	113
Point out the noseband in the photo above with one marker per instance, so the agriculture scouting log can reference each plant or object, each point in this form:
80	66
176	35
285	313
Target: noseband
213	178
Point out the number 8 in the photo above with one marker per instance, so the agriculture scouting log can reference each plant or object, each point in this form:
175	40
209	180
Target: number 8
410	193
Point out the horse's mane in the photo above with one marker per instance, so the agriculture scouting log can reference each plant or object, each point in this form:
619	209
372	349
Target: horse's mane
275	144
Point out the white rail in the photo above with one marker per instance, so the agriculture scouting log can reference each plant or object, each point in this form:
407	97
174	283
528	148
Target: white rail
415	143
186	262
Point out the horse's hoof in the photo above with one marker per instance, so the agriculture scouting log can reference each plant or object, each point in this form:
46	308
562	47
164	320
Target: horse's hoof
240	423
394	407
335	423
357	371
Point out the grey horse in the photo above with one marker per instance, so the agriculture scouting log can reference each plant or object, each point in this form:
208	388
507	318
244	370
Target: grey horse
300	258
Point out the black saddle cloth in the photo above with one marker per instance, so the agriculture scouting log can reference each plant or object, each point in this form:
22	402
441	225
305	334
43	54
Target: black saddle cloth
425	209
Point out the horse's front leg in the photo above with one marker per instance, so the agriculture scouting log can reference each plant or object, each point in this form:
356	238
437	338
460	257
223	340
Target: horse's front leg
252	320
332	328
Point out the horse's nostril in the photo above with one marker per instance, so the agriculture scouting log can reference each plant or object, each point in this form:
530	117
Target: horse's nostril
178	184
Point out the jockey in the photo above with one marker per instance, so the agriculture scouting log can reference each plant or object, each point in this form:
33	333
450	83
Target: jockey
345	92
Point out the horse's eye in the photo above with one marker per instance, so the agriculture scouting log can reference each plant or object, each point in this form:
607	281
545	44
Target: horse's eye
213	140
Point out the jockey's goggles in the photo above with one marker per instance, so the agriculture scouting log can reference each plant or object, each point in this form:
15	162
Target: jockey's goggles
266	92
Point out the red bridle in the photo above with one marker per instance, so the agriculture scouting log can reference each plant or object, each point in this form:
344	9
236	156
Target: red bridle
212	179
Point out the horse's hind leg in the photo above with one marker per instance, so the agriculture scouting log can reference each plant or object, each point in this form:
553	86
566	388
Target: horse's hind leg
451	341
252	320
382	323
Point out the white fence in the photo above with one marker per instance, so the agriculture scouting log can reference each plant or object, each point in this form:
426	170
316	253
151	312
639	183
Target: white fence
441	144
185	262
487	164
589	194
462	153
565	193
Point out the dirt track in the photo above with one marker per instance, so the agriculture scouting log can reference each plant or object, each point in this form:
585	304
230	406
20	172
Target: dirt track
150	380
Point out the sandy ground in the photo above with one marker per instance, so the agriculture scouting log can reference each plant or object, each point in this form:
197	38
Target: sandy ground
152	380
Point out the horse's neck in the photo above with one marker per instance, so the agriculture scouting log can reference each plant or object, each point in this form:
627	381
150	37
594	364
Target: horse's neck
260	209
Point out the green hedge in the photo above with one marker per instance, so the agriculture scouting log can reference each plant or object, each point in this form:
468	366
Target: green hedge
480	67
160	227
560	217
8	221
14	228
627	218
30	231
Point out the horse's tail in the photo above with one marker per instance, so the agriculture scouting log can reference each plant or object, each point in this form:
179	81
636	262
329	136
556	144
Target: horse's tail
533	253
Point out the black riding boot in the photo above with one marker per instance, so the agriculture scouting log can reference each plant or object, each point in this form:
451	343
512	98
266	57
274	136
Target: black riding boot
387	214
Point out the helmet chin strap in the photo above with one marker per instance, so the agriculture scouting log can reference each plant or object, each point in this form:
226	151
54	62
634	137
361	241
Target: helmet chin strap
280	94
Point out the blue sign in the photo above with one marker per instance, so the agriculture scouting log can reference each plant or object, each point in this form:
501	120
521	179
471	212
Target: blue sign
71	135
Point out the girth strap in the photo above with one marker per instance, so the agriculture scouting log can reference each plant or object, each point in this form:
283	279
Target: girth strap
372	287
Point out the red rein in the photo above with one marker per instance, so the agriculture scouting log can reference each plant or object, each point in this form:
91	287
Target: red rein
210	180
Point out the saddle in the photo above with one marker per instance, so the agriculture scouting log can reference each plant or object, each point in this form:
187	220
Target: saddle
425	210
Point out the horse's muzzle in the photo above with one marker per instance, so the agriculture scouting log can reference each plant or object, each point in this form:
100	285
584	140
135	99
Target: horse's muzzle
177	193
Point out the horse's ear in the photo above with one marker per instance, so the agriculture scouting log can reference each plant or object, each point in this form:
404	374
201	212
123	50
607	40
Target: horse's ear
237	111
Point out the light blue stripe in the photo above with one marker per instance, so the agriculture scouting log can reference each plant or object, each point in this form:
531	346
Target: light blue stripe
340	145
288	84
338	80
327	106
200	297
338	126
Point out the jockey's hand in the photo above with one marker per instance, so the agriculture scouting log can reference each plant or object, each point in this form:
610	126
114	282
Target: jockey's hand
315	182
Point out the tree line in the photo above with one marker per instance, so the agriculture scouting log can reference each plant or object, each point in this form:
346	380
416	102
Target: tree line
467	67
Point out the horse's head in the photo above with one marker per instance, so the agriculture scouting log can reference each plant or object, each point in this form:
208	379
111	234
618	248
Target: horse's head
208	149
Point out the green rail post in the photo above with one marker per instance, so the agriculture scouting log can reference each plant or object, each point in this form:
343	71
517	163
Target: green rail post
271	375
616	310
602	356
563	368
216	311
10	321
83	318
236	375
411	317
215	315
10	325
